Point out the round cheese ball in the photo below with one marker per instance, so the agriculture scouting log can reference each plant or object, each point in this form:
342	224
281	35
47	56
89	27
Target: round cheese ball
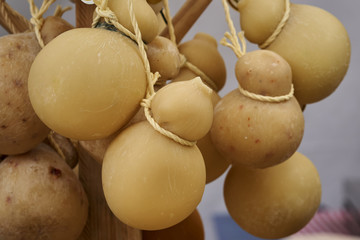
274	202
151	182
87	83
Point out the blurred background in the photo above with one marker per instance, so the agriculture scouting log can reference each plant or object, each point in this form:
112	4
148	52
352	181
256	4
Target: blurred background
332	126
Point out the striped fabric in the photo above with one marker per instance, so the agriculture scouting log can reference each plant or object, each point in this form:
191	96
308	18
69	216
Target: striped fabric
334	221
323	236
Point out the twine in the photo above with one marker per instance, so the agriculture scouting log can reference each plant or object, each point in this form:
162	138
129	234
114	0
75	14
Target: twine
146	103
37	19
11	20
59	11
184	62
233	4
169	21
207	80
152	79
263	98
102	10
234	44
279	27
240	50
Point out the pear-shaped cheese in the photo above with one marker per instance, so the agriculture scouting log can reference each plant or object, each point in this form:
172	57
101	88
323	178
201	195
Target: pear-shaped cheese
151	182
313	41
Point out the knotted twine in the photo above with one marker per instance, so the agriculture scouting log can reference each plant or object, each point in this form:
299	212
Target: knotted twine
279	27
103	11
240	50
37	19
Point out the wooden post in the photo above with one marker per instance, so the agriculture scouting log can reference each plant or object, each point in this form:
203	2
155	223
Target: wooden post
101	223
84	14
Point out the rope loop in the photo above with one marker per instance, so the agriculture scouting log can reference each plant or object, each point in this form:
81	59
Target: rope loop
205	78
146	103
37	19
239	48
102	11
108	15
59	11
169	21
270	99
279	27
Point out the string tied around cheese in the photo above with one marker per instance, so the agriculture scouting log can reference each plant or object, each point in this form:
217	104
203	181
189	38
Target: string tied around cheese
170	25
152	79
102	10
279	27
146	103
37	14
239	48
206	79
59	11
184	61
37	19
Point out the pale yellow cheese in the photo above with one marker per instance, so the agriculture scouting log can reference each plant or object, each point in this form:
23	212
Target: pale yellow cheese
87	83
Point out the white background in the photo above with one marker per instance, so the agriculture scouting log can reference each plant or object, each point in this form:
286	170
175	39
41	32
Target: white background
332	126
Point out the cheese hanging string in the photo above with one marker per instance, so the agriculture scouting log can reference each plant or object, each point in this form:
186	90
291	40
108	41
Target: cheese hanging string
103	11
233	4
151	78
206	79
279	27
169	21
37	21
59	11
37	17
240	50
184	62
